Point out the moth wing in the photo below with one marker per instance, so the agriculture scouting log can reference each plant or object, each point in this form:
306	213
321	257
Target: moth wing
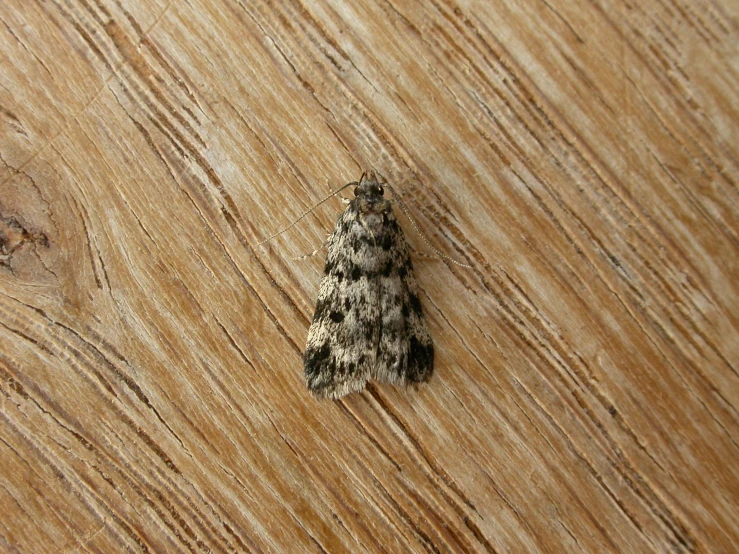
342	340
406	352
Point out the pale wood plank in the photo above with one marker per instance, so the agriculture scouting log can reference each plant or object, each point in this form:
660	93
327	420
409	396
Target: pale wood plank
581	157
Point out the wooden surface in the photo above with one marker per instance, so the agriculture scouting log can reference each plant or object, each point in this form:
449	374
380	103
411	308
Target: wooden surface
581	156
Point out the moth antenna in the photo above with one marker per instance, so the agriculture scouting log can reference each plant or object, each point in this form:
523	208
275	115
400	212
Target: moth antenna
415	226
306	212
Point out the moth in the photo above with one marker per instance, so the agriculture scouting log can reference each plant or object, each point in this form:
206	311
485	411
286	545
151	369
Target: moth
368	323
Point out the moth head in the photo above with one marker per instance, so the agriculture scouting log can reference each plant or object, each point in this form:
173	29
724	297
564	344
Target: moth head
369	186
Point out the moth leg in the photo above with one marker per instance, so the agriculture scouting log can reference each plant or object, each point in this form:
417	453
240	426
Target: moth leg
344	199
316	251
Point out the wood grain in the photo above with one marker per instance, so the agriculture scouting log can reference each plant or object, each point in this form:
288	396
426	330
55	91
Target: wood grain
580	156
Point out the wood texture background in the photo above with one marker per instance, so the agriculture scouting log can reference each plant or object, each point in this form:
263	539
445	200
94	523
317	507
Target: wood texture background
581	156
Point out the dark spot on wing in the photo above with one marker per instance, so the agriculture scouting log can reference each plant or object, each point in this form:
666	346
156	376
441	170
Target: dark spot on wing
336	317
317	361
321	308
387	269
415	304
348	368
420	360
388	241
404	268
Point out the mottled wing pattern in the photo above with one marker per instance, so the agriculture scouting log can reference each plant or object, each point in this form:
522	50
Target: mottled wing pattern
406	353
368	321
342	341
